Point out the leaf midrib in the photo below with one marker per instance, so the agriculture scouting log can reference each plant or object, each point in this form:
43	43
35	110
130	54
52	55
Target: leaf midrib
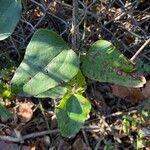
58	84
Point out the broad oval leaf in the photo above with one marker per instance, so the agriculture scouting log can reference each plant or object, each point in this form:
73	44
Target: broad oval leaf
104	63
47	64
10	13
71	113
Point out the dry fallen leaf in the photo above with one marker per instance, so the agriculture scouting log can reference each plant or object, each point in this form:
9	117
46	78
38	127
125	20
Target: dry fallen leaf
80	145
146	90
25	111
133	94
37	13
147	148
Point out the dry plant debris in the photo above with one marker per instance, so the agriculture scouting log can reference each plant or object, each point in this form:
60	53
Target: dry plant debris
25	112
132	94
127	24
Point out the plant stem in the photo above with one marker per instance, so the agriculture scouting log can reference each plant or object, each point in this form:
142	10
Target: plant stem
42	110
140	49
75	27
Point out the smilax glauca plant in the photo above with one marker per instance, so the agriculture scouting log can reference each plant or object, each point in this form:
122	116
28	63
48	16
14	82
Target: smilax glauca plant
50	69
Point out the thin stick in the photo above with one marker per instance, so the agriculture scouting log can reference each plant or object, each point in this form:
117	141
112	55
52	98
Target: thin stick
15	47
75	28
140	49
80	10
10	139
42	110
28	136
98	144
85	137
37	134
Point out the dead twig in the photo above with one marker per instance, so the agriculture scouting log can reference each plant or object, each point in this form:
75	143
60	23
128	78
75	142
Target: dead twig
15	47
75	27
28	136
21	139
43	113
37	134
98	144
85	137
140	49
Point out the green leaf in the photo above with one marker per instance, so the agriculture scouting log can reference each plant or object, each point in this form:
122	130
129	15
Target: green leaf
71	114
48	63
126	126
4	113
7	94
10	13
54	93
103	63
145	113
140	143
77	84
5	91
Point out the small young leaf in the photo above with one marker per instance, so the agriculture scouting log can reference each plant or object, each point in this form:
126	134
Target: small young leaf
6	94
5	91
77	84
10	13
126	126
104	63
71	113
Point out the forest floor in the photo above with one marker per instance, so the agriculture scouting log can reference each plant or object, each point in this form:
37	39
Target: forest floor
118	114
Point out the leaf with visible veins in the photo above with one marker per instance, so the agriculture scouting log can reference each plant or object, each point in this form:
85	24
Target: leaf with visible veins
47	64
104	63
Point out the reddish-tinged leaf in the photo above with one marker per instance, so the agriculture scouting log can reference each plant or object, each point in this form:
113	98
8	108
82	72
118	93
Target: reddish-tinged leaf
133	94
